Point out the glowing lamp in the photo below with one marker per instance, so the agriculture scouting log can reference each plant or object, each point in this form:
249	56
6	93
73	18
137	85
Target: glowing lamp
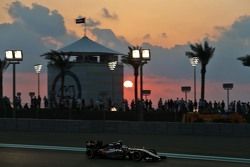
13	55
136	54
38	68
146	54
194	61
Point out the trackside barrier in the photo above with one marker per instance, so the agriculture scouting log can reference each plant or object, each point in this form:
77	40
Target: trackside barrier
124	127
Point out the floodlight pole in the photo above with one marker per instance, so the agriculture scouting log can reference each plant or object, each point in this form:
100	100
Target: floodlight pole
14	89
112	65
145	57
141	80
227	87
227	99
194	61
138	58
194	83
14	57
38	84
136	83
38	68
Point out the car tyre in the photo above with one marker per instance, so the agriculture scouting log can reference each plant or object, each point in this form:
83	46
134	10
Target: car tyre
90	154
137	156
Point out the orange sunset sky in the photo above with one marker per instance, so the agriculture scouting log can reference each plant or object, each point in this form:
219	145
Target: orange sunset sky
167	27
182	20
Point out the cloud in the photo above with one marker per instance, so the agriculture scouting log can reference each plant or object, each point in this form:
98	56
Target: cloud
38	19
169	62
233	42
146	36
50	41
240	28
106	14
92	23
163	35
35	30
109	39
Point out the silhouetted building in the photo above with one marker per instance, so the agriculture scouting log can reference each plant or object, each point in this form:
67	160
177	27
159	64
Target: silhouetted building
88	78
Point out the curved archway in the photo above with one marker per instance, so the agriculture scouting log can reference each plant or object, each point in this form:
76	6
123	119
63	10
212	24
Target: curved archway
74	90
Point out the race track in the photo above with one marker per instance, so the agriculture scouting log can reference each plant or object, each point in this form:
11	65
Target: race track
59	149
11	157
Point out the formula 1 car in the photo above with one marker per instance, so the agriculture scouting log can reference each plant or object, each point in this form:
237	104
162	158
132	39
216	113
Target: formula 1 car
117	150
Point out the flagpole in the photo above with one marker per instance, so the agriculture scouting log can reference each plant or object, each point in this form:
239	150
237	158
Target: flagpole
85	29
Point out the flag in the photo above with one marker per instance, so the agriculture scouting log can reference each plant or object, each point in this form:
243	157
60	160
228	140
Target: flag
80	20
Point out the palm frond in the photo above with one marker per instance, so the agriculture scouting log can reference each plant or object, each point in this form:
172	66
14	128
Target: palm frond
4	64
190	54
203	51
59	59
245	60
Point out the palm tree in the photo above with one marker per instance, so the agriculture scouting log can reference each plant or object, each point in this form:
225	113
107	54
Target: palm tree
60	61
204	53
3	65
127	59
245	60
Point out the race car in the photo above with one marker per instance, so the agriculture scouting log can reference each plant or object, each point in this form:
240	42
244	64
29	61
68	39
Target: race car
117	150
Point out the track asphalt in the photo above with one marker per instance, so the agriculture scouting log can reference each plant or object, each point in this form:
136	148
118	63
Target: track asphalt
169	155
67	149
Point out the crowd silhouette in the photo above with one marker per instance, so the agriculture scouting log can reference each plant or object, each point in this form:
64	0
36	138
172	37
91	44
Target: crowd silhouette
164	105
